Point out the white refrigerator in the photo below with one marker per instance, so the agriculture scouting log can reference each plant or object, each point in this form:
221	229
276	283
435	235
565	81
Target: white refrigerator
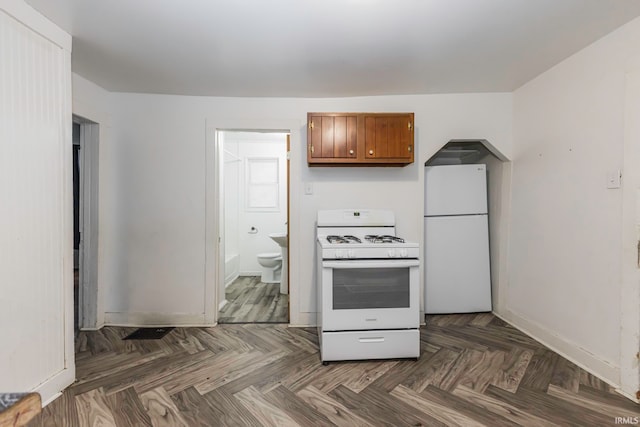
457	265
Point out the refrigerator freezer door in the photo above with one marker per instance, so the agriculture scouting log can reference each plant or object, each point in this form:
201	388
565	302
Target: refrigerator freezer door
457	276
455	190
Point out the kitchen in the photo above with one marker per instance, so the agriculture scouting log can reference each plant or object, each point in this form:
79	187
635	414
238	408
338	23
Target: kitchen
191	185
176	117
157	267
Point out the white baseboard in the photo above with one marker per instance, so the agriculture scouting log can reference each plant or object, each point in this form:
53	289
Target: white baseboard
603	369
250	273
52	388
229	281
627	395
155	319
304	320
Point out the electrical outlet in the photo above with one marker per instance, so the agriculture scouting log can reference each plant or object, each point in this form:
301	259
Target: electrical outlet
613	179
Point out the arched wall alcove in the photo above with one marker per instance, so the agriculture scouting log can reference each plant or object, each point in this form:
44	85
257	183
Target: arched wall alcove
481	151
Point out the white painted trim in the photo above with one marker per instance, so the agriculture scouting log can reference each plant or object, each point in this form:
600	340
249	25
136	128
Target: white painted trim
51	389
33	19
231	280
250	273
48	401
212	263
89	187
67	375
305	320
630	286
134	319
603	369
627	395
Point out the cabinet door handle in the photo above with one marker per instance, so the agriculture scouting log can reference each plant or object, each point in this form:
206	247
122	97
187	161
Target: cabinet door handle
371	152
351	152
372	339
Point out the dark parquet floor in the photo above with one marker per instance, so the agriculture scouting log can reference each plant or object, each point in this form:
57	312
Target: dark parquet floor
474	370
251	301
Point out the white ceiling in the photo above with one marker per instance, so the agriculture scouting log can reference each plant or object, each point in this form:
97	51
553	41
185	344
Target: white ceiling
326	48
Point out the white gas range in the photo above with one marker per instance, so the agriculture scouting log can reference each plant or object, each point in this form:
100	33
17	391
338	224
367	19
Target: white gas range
368	287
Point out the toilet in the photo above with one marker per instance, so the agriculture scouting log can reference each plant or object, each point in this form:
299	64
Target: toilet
271	263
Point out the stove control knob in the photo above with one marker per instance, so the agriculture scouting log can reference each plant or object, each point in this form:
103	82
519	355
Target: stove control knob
403	253
391	253
351	254
339	254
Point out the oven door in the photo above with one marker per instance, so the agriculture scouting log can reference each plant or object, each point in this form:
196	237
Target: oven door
370	294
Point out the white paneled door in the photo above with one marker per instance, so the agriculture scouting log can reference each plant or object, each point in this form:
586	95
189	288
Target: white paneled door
36	252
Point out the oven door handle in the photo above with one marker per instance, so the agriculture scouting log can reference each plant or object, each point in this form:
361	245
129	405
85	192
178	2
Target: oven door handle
367	263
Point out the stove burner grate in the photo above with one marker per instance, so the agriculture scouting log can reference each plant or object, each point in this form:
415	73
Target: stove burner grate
343	239
383	239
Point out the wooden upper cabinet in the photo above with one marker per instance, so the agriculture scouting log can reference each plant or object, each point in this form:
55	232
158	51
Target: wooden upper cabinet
332	136
388	136
360	139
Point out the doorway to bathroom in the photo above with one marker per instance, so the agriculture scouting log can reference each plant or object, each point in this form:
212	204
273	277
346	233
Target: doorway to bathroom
254	226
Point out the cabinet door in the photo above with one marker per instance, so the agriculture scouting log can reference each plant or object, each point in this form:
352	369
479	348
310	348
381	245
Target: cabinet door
332	137
389	136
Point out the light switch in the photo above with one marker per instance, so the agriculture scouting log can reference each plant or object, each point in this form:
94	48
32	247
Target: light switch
613	179
308	188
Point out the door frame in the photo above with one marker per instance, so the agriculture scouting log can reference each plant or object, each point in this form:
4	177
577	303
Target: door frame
88	159
288	160
221	261
213	169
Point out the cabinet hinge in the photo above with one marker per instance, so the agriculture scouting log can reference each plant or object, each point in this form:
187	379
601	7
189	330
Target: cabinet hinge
311	125
409	125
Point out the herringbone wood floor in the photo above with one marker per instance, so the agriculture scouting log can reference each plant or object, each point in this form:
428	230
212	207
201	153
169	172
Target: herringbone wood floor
474	370
251	301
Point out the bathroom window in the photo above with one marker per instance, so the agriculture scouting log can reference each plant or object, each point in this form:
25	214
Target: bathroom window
263	184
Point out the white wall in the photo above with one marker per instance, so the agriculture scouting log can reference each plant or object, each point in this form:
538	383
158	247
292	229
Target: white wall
156	254
499	192
36	247
159	147
566	233
630	292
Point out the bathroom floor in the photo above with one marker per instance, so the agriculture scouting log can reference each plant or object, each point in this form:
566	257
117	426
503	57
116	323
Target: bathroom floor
251	301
